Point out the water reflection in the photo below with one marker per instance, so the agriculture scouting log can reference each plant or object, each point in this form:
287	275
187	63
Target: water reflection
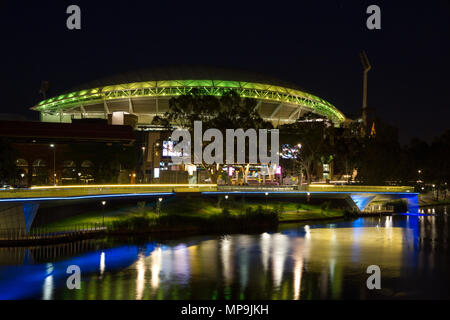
102	264
298	262
47	290
155	267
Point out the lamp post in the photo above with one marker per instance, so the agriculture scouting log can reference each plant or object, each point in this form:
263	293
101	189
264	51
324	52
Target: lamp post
54	163
266	194
419	178
155	144
300	178
143	164
159	205
103	213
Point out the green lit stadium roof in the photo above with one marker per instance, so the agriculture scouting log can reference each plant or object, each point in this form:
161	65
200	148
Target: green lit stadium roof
263	89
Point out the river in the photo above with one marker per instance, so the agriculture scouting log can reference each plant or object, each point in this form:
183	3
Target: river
315	261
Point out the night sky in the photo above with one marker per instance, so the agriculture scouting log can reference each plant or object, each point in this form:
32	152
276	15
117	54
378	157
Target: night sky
314	44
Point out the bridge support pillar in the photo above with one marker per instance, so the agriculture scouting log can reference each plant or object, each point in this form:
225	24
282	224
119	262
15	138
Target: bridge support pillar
413	203
18	215
360	201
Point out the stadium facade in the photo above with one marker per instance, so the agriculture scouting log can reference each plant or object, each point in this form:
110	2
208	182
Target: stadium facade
146	94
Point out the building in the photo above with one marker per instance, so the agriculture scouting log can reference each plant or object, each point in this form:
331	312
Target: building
65	153
146	93
135	98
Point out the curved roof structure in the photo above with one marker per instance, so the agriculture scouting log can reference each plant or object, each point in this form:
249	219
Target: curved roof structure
146	93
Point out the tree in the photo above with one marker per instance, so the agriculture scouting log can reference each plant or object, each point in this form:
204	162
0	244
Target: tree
438	168
347	149
229	111
380	157
108	159
315	135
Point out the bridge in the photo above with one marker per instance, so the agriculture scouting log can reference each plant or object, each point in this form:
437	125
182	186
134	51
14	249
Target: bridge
19	207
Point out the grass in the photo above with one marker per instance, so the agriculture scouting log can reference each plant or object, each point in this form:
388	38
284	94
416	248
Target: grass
296	212
427	200
96	216
202	212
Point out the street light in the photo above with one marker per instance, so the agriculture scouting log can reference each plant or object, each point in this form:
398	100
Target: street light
103	213
155	144
159	205
266	198
54	163
143	164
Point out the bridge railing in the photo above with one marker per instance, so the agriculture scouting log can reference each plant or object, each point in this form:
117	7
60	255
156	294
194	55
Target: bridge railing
318	188
261	188
357	188
80	190
47	233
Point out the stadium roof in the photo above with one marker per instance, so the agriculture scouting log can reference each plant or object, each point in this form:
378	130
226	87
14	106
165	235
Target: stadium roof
184	73
174	81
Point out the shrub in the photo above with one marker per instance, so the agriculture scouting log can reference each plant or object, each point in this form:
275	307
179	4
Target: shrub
399	205
141	207
279	208
226	212
325	206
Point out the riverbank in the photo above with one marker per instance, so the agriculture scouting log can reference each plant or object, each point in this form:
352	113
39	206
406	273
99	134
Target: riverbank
429	198
429	201
202	211
172	218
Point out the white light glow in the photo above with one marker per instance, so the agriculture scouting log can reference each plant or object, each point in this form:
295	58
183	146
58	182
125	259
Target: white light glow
140	281
102	264
47	289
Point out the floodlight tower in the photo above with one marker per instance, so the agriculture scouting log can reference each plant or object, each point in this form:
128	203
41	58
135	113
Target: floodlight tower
366	65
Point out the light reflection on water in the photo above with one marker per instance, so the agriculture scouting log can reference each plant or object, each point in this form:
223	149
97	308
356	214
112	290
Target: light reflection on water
299	262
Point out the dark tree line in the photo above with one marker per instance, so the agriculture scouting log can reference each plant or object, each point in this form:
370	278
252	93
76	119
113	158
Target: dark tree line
107	159
379	159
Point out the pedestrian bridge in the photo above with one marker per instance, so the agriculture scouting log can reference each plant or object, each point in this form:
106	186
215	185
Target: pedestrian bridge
18	207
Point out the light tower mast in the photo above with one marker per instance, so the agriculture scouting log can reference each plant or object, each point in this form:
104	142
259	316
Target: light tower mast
366	66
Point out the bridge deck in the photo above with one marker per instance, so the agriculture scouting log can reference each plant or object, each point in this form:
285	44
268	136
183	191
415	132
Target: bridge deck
18	208
92	190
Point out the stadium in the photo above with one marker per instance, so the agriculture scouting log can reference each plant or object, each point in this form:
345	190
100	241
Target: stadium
146	94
